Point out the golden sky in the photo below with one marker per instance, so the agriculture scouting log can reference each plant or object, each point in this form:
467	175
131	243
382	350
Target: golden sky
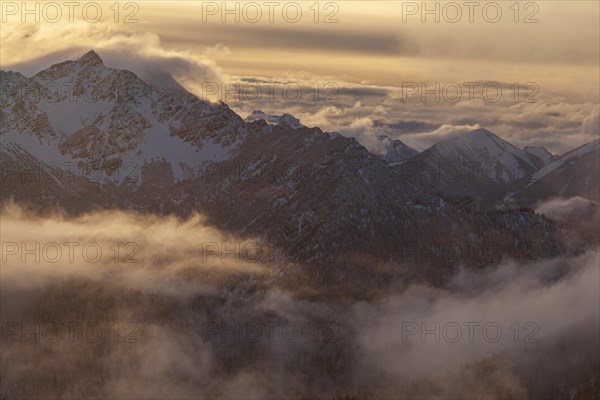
363	46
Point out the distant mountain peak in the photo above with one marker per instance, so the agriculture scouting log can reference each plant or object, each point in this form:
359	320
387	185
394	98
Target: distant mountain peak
476	140
478	135
90	58
290	121
396	150
481	131
285	119
484	134
487	166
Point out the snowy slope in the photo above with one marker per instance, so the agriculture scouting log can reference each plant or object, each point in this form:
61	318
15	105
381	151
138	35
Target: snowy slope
477	164
542	153
575	174
104	119
397	151
563	160
482	147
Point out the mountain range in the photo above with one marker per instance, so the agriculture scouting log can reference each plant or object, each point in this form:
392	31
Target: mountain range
113	141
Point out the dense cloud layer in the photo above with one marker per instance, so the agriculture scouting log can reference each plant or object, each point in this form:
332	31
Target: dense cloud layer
193	324
539	104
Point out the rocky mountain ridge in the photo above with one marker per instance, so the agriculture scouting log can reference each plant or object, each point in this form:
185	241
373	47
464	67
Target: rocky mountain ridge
322	199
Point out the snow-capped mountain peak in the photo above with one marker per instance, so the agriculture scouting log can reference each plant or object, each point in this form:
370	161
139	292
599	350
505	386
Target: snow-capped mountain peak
484	148
480	141
478	164
396	151
104	118
290	121
286	120
90	58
